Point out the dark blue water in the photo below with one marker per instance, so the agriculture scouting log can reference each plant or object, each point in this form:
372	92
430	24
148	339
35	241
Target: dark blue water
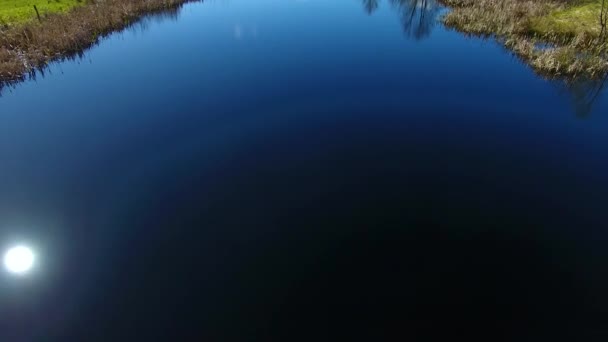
300	171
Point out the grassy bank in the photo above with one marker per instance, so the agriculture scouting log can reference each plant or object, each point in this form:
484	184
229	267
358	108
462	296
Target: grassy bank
556	37
66	27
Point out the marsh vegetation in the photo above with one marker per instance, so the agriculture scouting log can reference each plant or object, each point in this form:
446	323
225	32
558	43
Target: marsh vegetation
28	44
558	38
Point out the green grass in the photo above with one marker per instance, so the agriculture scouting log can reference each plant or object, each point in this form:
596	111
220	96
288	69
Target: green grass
571	21
18	11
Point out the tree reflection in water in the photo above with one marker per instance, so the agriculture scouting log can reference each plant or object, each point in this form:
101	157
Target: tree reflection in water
584	93
418	17
370	5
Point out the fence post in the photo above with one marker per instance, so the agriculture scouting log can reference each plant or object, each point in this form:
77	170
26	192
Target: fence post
37	14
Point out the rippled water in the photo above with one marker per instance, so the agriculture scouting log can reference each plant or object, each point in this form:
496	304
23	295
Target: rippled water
303	170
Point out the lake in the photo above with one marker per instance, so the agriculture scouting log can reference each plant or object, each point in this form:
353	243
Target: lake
303	170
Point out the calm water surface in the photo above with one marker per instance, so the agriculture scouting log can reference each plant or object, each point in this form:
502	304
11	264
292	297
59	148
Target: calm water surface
303	170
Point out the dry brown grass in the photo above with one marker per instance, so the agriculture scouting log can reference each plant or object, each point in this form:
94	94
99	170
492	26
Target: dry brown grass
10	66
488	17
562	61
550	53
27	47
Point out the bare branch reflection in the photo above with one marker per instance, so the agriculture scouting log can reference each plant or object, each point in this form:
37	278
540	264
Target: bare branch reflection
584	94
370	5
418	17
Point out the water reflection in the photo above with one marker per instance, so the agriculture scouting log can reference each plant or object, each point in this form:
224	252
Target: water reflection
370	5
418	17
584	94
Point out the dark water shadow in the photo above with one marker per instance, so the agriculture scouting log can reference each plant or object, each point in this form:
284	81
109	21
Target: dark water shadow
344	275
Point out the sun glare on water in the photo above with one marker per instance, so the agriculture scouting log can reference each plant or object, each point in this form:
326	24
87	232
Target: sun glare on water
19	259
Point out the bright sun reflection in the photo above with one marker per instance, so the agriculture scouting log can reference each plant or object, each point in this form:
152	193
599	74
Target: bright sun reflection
19	259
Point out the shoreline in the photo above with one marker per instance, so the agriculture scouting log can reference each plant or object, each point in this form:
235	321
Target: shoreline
556	38
32	45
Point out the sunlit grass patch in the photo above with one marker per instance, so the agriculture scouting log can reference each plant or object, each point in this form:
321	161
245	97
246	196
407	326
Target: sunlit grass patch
17	11
571	21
